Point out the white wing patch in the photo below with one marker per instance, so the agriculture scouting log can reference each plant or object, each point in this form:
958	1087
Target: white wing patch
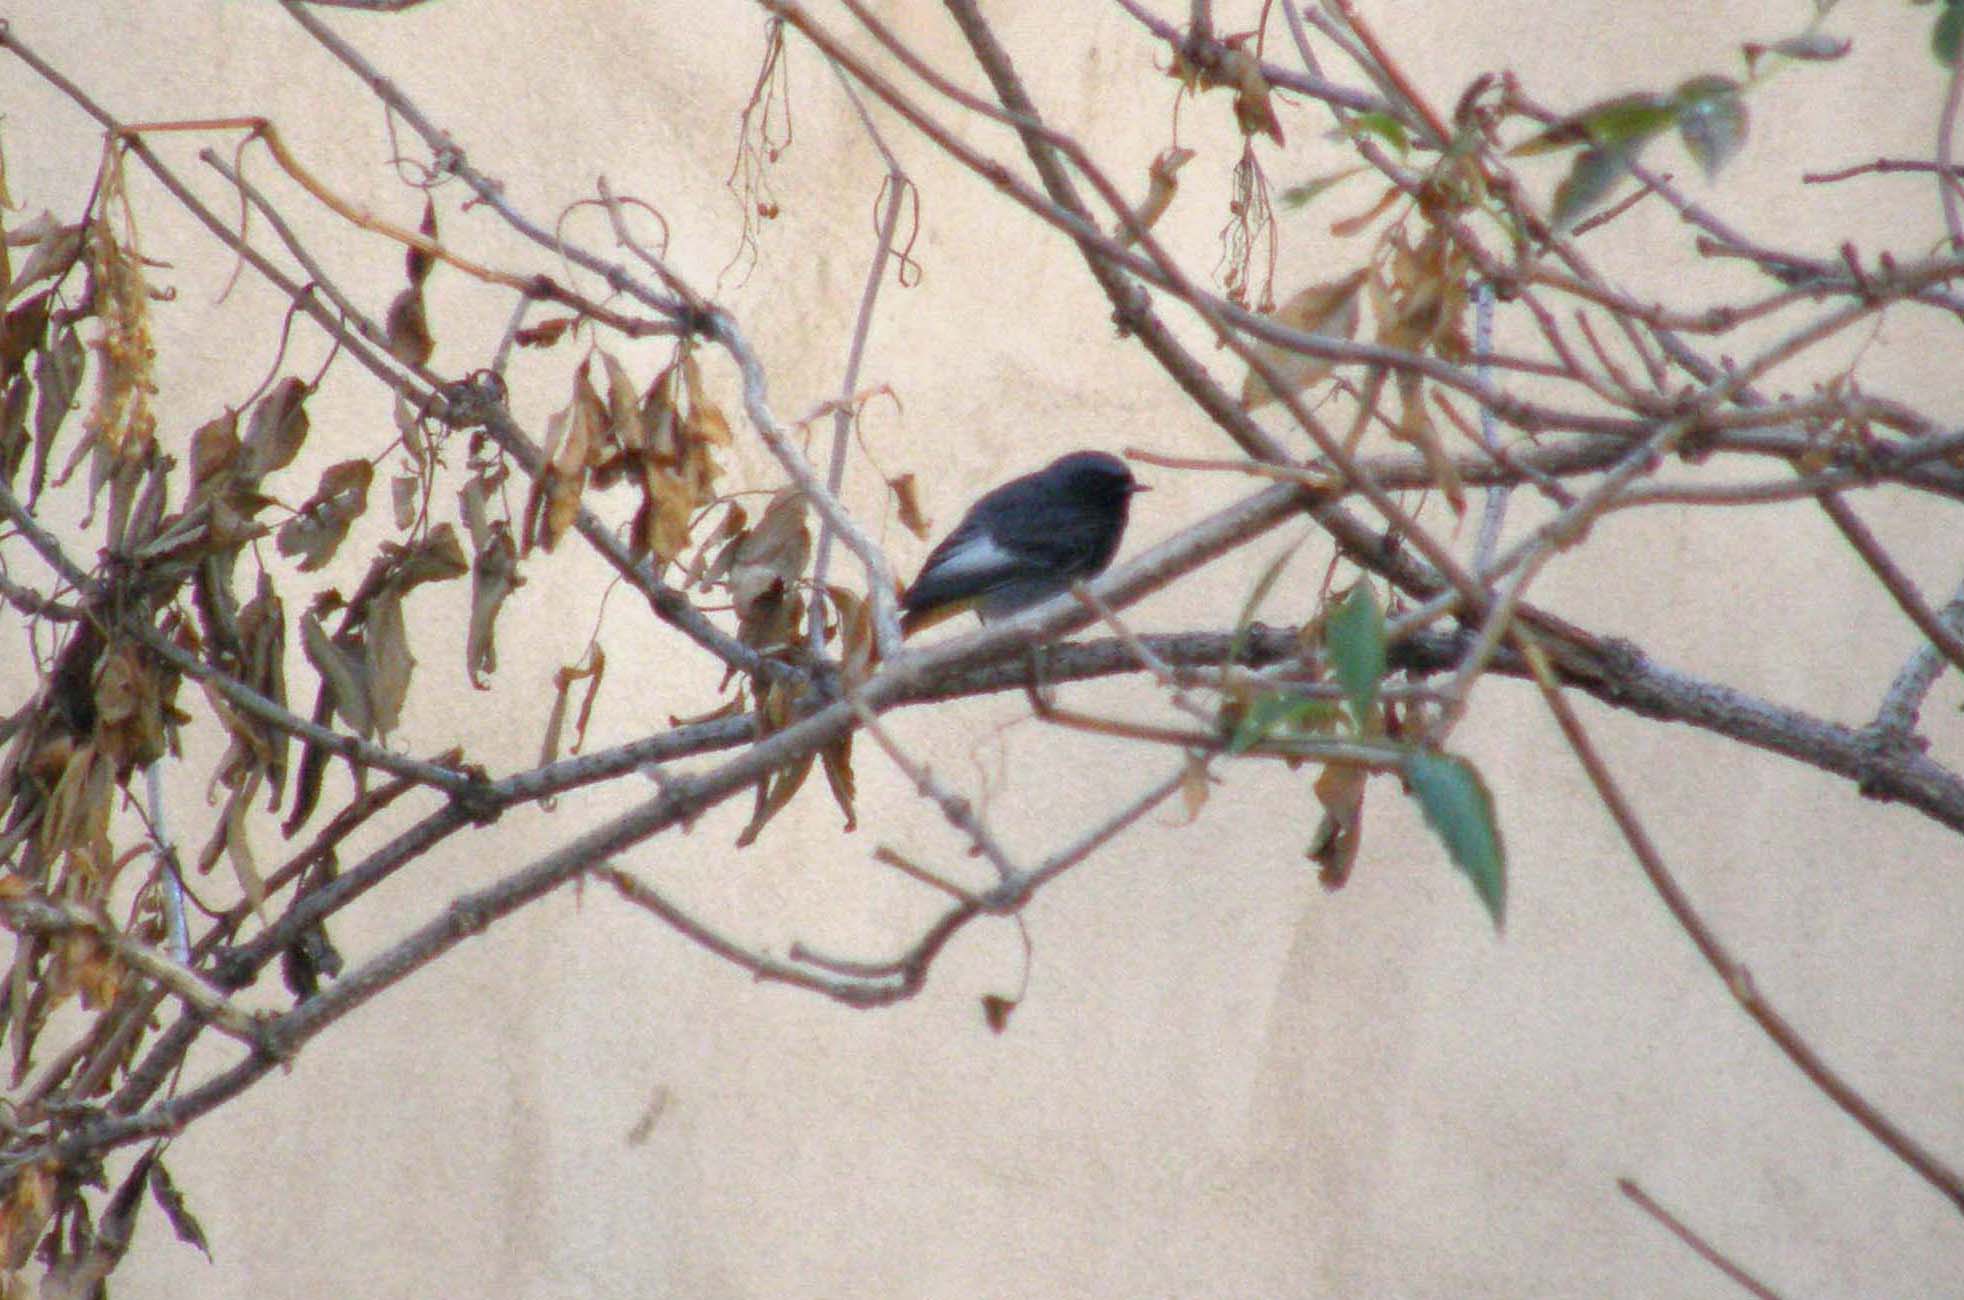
977	556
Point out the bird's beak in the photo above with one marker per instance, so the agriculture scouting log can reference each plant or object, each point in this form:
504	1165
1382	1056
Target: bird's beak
1137	488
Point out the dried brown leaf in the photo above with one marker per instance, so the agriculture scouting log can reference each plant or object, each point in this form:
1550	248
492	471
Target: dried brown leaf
707	427
407	327
596	673
1421	302
591	669
625	427
1195	786
494	576
388	661
171	1202
342	666
214	453
549	744
439	557
852	634
416	261
146	516
661	524
706	423
658	414
262	637
1162	183
22	331
907	496
76	821
56	248
1254	107
317	531
129	721
1340	789
764	571
1331	309
277	429
1415	426
837	760
405	498
29	1205
14	438
572	440
721	545
231	839
474	508
58	371
774	794
546	333
1345	227
775	790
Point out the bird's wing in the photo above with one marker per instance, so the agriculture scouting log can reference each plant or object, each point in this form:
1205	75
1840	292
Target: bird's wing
967	563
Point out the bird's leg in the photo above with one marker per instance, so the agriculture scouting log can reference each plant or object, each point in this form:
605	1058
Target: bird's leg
1042	696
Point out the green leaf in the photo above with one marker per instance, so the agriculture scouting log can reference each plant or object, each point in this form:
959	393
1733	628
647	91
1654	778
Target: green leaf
1297	196
1627	120
1948	33
1459	807
1812	47
1281	713
1354	637
1712	121
1592	179
1385	127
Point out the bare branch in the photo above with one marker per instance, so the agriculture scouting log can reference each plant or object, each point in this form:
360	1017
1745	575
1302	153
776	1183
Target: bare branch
26	914
1898	583
1737	979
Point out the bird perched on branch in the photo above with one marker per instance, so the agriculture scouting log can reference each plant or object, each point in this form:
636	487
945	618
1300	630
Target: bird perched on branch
1025	542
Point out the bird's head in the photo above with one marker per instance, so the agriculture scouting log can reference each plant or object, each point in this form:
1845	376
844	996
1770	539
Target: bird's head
1096	476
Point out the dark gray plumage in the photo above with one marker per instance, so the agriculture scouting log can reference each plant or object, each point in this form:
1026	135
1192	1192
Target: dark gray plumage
1026	541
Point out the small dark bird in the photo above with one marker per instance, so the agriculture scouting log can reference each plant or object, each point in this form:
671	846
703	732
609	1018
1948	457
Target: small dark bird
1025	542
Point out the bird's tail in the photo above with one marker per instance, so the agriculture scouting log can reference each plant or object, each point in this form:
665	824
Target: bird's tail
926	616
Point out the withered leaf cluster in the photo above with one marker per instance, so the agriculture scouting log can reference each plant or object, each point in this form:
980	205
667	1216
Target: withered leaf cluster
660	441
1234	67
365	663
1419	298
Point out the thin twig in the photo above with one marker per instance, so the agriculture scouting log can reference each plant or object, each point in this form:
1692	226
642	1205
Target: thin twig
173	879
1900	704
1152	663
897	185
1737	979
959	810
1893	579
1946	141
1699	1246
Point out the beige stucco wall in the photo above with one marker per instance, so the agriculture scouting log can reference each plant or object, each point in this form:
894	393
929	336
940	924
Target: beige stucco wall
1223	1082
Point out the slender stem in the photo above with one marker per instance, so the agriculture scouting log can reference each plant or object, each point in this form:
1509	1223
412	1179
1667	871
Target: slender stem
1737	979
1493	516
1699	1246
173	882
1893	579
1946	141
1900	704
842	418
